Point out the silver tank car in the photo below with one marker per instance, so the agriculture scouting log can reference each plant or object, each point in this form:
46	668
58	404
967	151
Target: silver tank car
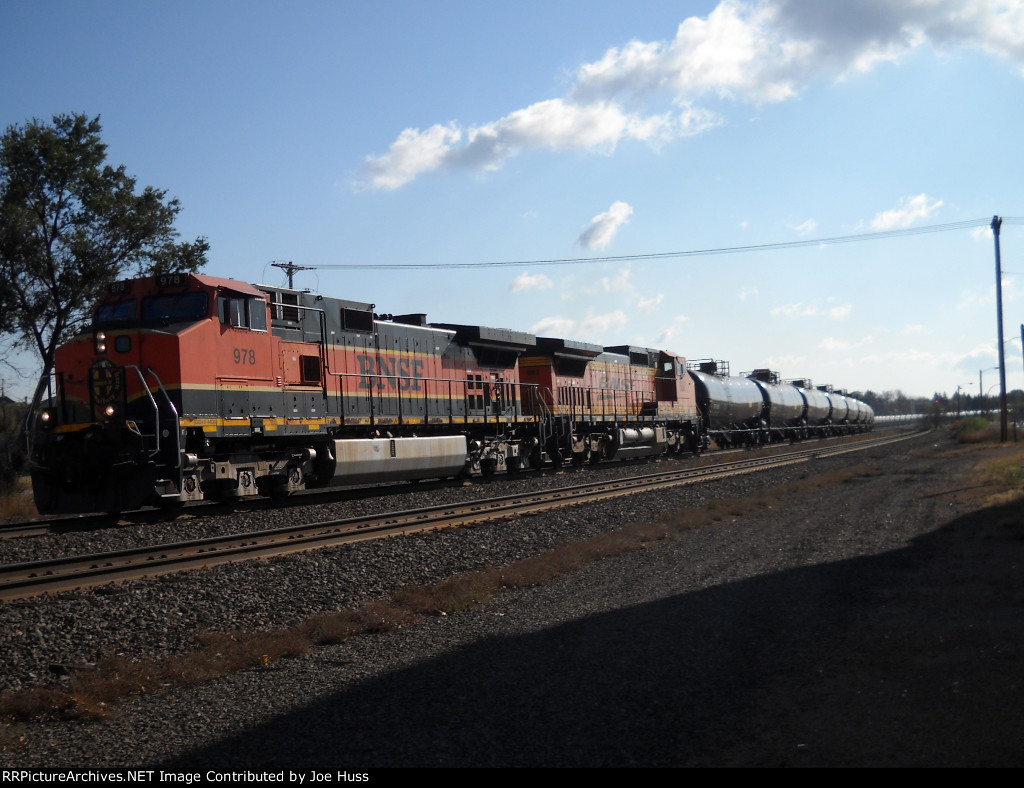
733	409
819	408
840	408
787	408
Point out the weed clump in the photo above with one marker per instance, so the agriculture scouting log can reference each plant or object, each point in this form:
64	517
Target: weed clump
976	429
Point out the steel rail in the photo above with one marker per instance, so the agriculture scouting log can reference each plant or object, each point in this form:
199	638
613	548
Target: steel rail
61	574
83	522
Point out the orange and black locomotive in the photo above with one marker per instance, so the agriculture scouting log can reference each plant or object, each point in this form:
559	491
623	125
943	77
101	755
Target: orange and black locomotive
189	387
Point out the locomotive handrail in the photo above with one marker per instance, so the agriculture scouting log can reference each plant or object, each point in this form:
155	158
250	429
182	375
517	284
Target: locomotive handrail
156	408
177	418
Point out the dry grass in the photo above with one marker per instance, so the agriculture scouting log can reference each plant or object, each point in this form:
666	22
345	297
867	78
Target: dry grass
1003	473
19	505
88	693
976	430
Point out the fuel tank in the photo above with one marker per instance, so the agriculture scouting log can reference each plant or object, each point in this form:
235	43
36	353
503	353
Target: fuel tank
362	461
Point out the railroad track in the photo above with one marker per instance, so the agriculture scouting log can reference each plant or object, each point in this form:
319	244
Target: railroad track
88	522
75	572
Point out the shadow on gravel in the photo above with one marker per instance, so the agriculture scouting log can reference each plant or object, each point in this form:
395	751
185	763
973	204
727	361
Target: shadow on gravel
911	658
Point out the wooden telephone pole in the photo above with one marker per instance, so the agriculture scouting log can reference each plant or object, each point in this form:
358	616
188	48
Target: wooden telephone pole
291	268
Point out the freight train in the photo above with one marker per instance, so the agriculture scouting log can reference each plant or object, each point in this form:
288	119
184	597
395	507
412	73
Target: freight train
189	387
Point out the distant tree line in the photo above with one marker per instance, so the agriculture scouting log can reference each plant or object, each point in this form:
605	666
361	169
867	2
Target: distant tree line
896	403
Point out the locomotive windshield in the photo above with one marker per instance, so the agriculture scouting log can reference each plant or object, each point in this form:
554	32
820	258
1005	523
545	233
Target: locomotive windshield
175	307
116	312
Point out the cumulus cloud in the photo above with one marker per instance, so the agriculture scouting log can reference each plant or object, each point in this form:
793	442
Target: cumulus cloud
593	328
605	226
600	325
751	52
650	305
527	281
831	344
801	309
556	124
798	309
806	228
737	51
909	211
622	283
413	153
554	327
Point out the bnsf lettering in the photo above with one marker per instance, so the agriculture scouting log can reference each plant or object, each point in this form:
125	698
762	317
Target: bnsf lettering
389	373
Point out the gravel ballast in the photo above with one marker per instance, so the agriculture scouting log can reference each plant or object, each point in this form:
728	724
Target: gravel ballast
870	622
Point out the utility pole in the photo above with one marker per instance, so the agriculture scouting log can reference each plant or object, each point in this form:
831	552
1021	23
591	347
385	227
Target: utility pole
291	268
1003	426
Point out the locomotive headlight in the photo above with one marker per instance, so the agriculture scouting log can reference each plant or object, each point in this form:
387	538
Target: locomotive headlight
46	419
109	411
101	342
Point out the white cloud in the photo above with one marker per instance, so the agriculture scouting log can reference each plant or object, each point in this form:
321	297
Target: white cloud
806	228
736	51
526	281
599	325
554	327
605	226
412	154
650	305
593	328
753	52
622	284
750	292
832	344
800	309
785	362
910	210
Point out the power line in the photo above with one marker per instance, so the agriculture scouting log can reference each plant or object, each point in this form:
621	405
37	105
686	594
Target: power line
840	239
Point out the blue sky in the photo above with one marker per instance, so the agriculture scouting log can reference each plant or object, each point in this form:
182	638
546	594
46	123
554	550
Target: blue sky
430	132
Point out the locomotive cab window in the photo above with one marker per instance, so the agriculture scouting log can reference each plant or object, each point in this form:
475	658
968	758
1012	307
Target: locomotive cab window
116	312
175	307
239	312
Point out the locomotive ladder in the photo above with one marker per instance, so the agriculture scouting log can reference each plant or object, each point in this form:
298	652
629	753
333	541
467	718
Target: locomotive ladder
171	454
